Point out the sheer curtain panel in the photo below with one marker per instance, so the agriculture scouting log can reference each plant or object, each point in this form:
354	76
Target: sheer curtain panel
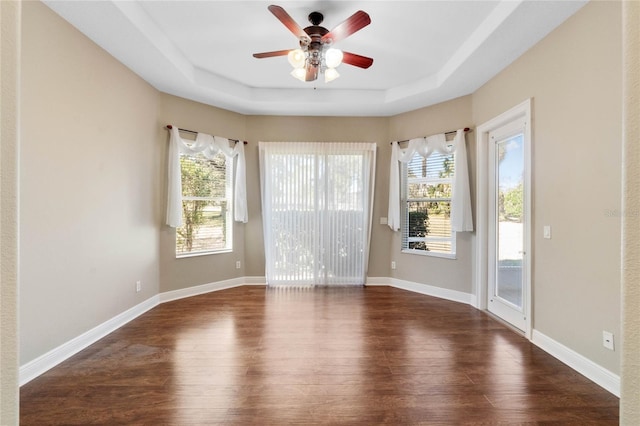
317	203
461	219
208	146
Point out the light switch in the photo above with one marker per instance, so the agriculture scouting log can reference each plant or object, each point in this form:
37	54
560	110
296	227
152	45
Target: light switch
383	221
547	232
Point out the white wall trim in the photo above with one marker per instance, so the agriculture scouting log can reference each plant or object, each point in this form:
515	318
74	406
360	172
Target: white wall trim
43	363
426	289
255	281
582	365
481	273
473	300
40	365
169	296
378	281
429	290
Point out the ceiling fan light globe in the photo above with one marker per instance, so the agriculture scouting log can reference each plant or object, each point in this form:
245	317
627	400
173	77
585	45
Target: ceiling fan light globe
333	57
299	73
330	74
296	58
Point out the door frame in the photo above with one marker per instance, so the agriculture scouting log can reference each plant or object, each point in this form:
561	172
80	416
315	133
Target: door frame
523	110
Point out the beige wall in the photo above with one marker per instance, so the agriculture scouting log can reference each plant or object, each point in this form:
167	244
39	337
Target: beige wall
88	195
453	274
630	389
93	182
248	238
319	129
191	271
9	135
573	76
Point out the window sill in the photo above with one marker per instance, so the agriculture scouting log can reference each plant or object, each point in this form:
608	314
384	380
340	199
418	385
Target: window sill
451	256
203	253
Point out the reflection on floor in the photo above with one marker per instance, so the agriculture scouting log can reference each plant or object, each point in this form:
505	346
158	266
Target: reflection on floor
375	355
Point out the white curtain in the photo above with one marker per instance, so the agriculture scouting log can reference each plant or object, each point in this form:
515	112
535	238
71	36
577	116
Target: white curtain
317	203
208	146
461	219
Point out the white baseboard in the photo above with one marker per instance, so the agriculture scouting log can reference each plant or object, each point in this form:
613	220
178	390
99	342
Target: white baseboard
378	281
33	369
43	363
473	300
582	365
169	296
429	290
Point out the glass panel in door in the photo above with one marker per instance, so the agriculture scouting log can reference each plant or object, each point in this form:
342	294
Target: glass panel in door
509	214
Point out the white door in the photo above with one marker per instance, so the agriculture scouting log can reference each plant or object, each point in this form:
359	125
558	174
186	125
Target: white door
508	290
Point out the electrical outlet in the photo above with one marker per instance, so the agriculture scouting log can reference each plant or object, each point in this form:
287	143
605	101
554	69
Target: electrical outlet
138	286
393	264
238	264
607	340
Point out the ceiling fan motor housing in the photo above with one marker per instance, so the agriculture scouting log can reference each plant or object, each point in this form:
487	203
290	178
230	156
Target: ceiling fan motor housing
316	18
314	46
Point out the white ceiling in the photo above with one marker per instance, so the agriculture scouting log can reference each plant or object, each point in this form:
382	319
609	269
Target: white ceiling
424	52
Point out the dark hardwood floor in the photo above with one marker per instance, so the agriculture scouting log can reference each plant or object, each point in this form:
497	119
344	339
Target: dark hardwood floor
374	355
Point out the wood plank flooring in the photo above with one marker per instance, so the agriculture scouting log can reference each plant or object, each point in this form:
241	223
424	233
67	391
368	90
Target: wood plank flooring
256	356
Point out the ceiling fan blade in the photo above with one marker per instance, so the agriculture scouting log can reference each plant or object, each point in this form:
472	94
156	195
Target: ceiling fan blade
356	60
354	23
287	20
271	54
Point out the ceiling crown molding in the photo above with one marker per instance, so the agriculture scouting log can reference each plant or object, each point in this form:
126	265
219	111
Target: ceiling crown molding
128	32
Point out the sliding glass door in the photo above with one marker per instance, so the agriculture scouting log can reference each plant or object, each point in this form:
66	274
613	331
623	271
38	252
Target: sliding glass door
316	200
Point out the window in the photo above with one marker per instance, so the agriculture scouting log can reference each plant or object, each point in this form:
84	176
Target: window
206	204
427	190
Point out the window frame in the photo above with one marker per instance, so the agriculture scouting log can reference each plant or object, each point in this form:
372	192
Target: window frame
229	164
405	200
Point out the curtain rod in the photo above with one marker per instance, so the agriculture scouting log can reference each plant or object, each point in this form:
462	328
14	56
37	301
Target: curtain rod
169	126
466	129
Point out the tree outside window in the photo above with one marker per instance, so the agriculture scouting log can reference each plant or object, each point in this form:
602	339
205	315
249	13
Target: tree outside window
428	186
206	204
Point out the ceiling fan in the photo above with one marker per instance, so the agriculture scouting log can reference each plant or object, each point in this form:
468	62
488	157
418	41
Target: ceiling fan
315	54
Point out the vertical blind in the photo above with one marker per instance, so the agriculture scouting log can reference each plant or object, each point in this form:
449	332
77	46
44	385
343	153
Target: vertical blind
317	202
